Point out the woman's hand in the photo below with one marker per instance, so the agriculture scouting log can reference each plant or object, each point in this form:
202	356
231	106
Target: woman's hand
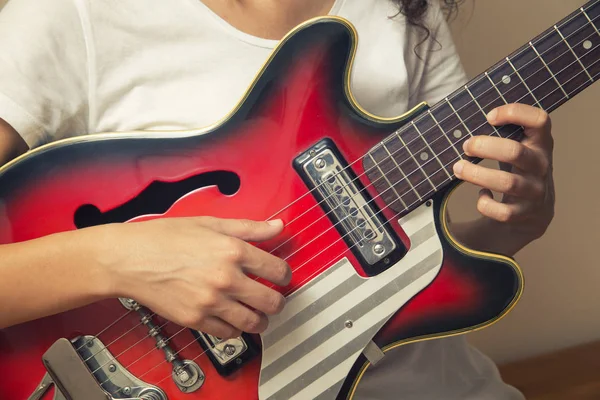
524	180
193	271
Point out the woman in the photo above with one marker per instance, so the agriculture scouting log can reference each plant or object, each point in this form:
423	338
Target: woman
68	67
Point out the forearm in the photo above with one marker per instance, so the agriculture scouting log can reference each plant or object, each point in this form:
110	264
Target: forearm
50	275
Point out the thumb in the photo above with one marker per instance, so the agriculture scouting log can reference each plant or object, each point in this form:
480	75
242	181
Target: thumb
245	229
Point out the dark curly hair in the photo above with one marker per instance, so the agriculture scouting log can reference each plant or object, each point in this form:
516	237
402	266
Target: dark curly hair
415	10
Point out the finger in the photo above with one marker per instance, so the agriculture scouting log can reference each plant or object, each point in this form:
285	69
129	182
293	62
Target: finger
505	151
260	297
501	212
258	262
217	327
241	317
244	229
499	181
536	121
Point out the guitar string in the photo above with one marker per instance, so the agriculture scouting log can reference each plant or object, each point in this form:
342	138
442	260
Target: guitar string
419	168
144	355
511	74
179	351
468	104
115	340
124	351
104	330
444	150
349	248
204	352
393	217
397	214
421	135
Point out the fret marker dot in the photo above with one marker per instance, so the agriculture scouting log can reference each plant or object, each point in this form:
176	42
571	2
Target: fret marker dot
587	44
424	156
457	134
506	79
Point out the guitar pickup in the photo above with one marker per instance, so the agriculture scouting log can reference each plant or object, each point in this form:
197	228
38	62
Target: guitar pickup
349	207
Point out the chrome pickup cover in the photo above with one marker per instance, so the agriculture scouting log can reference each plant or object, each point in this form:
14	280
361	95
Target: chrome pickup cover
347	205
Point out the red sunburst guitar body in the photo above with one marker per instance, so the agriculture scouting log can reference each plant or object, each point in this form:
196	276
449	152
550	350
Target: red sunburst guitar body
296	129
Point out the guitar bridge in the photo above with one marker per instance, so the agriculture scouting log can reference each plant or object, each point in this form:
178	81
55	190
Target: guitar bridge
349	207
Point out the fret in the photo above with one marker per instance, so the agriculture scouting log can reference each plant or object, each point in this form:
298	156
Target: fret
462	121
544	85
545	73
391	186
490	97
521	78
400	169
450	125
430	149
590	20
549	71
378	165
574	54
496	87
562	62
409	167
583	39
417	162
593	11
505	81
470	114
442	145
375	174
425	155
481	109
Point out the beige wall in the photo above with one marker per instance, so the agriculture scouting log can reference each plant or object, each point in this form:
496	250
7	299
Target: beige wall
561	304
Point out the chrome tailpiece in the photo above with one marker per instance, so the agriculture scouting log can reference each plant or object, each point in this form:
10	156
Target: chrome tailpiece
84	369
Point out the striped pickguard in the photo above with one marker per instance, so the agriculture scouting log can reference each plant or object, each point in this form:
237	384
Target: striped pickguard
310	347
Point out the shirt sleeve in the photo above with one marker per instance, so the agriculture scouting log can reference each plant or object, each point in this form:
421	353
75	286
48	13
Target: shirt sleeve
437	70
43	69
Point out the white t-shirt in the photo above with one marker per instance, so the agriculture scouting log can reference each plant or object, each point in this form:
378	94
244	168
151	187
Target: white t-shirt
72	67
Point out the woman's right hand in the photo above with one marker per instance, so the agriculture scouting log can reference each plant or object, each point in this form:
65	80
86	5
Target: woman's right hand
192	271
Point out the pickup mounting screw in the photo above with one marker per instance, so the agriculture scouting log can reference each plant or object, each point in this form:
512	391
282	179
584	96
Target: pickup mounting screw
229	350
320	163
112	367
378	249
348	324
126	390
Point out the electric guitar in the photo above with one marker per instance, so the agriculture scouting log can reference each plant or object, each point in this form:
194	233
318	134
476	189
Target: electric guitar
363	198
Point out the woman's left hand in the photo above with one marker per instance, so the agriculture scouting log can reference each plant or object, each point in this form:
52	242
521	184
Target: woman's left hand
525	178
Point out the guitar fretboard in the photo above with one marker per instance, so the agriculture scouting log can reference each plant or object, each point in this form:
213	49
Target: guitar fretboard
412	164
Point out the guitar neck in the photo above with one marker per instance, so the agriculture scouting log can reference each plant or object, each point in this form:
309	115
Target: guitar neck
415	162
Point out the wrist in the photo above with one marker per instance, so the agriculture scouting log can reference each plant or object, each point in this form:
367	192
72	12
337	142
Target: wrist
100	247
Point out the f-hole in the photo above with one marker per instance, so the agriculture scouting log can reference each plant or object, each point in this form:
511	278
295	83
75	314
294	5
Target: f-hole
157	198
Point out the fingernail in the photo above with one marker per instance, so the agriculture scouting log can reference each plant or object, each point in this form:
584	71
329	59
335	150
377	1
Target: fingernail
458	168
466	145
492	115
275	222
